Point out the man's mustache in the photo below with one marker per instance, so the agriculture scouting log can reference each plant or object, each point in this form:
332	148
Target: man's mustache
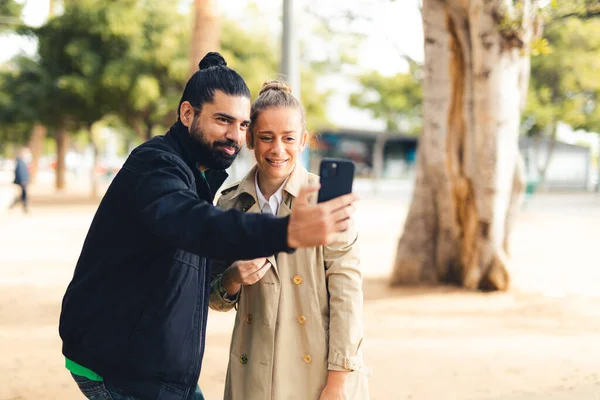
227	143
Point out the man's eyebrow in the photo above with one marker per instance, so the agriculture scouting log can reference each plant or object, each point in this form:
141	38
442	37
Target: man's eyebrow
229	117
271	132
224	115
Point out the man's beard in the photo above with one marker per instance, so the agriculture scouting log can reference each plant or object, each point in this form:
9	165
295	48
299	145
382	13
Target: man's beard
208	154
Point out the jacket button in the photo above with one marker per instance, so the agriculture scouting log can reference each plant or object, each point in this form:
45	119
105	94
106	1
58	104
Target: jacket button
297	279
249	318
244	359
307	358
302	320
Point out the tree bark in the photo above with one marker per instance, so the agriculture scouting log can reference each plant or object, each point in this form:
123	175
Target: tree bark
378	161
94	169
598	176
149	127
469	176
206	32
63	140
36	146
543	168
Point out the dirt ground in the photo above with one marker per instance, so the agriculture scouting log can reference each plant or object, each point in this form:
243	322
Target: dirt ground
541	340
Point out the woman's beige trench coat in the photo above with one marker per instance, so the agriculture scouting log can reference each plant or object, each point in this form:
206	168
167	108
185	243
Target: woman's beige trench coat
303	318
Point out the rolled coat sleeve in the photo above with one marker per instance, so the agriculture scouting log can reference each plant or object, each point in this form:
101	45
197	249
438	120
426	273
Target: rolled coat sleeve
344	280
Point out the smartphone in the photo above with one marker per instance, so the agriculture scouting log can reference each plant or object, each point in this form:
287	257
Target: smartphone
337	177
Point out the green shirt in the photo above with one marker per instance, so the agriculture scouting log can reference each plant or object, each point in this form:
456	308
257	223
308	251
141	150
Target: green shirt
80	370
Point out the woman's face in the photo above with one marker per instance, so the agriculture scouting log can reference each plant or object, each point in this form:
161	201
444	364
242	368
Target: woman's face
278	138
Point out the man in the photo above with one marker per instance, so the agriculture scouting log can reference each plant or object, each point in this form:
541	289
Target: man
21	179
133	318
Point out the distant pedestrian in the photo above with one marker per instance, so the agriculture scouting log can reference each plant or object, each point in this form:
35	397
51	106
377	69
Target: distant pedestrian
21	179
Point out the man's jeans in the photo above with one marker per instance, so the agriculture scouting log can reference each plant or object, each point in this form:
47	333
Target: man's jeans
95	390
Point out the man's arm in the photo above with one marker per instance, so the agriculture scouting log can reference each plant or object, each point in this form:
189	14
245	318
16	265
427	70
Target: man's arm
167	207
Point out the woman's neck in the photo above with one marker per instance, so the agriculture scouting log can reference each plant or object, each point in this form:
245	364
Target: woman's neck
268	186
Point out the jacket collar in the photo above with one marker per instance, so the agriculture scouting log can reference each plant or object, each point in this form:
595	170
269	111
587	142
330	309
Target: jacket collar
297	179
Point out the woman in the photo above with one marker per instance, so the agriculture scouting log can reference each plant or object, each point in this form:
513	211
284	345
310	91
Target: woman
298	329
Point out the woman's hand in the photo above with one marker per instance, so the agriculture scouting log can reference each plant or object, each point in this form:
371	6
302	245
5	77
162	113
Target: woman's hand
336	386
244	273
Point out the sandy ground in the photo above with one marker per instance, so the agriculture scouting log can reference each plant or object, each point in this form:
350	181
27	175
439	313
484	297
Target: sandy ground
541	340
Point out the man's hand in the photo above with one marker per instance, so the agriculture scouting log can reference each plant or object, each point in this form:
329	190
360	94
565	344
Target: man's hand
244	273
317	224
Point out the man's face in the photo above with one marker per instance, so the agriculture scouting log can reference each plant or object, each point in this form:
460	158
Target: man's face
218	130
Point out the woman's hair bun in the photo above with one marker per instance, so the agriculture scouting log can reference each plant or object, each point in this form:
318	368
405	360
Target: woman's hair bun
276	85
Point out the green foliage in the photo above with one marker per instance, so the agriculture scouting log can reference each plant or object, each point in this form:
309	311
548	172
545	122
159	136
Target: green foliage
97	58
256	58
10	15
540	47
564	84
10	8
127	62
149	79
396	99
583	9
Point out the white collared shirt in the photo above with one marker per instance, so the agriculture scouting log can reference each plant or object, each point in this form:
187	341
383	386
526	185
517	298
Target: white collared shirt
270	206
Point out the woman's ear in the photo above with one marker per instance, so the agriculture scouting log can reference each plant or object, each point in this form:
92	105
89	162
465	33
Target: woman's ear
304	140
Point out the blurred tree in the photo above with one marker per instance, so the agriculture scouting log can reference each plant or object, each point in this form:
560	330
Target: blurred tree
78	49
564	82
582	9
205	33
39	131
149	78
62	88
12	130
10	15
10	20
469	174
396	99
127	60
254	56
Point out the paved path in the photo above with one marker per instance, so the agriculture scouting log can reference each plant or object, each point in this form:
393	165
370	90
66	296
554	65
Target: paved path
539	341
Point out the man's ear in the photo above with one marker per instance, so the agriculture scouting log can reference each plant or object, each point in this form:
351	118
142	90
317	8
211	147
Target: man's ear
186	114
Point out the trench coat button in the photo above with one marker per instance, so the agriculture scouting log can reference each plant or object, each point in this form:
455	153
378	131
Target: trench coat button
307	358
244	359
297	279
249	318
246	208
302	320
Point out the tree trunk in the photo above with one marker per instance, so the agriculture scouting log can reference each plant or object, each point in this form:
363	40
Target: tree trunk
206	33
36	146
62	146
598	175
94	170
469	175
543	168
378	160
149	127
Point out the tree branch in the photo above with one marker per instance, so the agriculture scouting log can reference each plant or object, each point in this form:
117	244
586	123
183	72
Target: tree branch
584	15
